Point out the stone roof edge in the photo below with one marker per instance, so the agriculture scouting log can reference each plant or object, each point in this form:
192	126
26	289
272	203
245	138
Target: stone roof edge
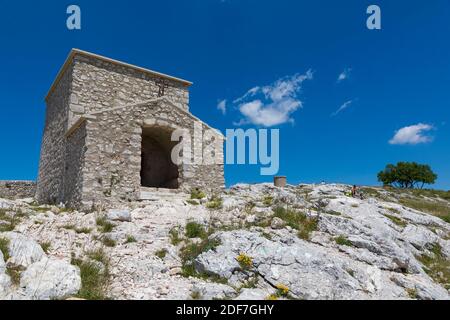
74	52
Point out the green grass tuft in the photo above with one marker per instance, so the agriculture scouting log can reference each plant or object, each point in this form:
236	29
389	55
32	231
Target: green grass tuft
98	255
267	200
412	293
437	208
130	239
214	203
10	220
94	280
84	230
396	220
104	225
46	245
4	244
195	230
436	265
197	194
298	221
107	241
174	235
343	241
161	253
192	251
14	273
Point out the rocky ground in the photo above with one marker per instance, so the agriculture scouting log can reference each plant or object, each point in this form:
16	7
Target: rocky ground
252	242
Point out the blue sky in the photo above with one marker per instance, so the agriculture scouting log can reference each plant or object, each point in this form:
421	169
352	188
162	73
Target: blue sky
396	77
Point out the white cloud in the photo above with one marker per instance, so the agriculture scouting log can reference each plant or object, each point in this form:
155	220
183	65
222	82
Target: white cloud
342	107
412	134
275	103
250	93
222	106
344	75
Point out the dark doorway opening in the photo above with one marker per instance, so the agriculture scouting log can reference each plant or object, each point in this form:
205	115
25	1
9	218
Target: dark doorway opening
157	168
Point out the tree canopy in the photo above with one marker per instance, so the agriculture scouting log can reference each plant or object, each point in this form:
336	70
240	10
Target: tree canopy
407	175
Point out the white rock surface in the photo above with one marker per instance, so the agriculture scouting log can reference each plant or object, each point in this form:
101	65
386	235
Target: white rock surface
23	251
5	281
380	262
50	279
119	215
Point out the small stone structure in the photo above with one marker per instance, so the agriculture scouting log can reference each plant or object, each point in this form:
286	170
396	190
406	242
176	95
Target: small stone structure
17	189
108	132
279	181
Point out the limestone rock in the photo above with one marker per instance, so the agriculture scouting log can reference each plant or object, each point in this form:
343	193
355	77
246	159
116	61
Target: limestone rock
22	250
308	270
210	291
50	279
5	281
119	215
277	223
253	294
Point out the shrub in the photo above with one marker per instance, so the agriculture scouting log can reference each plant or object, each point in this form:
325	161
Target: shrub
4	244
98	255
104	225
251	283
439	209
297	220
394	210
161	253
407	175
192	202
45	246
396	220
107	241
333	213
249	206
174	235
94	280
14	273
192	251
282	290
195	230
412	293
245	261
215	202
11	220
436	265
272	297
195	295
197	194
130	239
268	200
83	230
343	241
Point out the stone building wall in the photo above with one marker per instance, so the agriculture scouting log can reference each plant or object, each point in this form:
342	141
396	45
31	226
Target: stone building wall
113	157
99	84
52	158
86	160
17	189
74	166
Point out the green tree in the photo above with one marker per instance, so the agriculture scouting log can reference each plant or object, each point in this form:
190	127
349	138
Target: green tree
407	175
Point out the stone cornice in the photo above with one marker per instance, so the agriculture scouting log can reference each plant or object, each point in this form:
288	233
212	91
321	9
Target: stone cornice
74	52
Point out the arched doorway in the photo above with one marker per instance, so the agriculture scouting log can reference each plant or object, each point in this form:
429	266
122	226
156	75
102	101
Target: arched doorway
157	168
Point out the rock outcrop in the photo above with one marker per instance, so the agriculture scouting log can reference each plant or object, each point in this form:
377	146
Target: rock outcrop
256	242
